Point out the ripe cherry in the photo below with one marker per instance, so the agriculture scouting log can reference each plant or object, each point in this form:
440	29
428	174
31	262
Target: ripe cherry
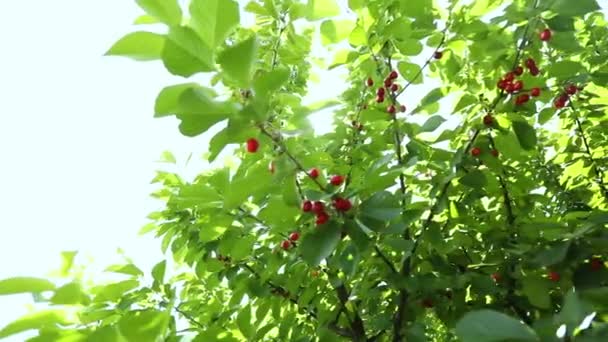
510	76
252	145
322	218
402	108
509	88
391	109
393	75
571	89
313	173
521	99
497	277
535	92
342	204
596	264
534	71
553	276
438	54
530	63
295	236
560	102
518	85
388	82
318	207
336	180
369	82
285	244
494	152
475	151
502	84
518	70
394	87
545	35
307	206
379	99
488	120
380	92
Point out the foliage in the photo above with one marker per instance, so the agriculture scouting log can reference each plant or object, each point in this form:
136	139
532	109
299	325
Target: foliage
492	229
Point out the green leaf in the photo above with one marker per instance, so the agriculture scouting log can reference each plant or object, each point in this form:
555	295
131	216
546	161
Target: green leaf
237	61
24	285
526	135
114	291
145	325
561	23
334	31
198	111
67	262
489	326
432	123
185	54
319	9
381	206
538	292
243	321
474	179
167	11
574	310
70	294
129	269
213	20
158	271
410	72
552	255
268	82
141	46
167	101
565	69
37	320
320	243
569	8
409	46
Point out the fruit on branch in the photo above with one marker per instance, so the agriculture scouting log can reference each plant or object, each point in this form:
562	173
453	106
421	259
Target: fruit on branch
318	207
252	145
534	71
322	218
402	108
494	152
380	92
596	264
518	71
307	206
560	101
497	277
295	236
509	77
535	92
342	204
488	120
509	88
553	276
530	63
313	173
393	75
521	99
391	109
545	35
518	85
379	99
438	54
502	84
475	151
571	89
336	180
394	87
285	244
388	82
369	82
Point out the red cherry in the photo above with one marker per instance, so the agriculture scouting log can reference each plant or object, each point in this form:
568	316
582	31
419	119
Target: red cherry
521	99
475	151
510	76
518	85
318	207
402	108
379	99
252	145
560	102
307	206
380	92
535	92
313	173
394	87
369	82
554	276
494	152
534	71
502	84
336	180
295	236
393	75
530	63
427	303
285	244
391	109
342	204
322	218
509	88
596	264
497	277
388	82
438	54
571	89
518	70
488	120
545	35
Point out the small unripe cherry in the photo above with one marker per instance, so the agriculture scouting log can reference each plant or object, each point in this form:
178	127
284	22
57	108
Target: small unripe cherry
393	75
475	151
497	277
535	92
285	244
545	35
488	120
322	218
318	207
336	180
596	264
571	89
553	276
307	206
402	108
313	173
295	236
394	87
438	54
391	109
518	70
252	145
494	152
369	82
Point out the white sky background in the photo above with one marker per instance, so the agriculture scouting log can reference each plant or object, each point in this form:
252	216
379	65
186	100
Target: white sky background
77	138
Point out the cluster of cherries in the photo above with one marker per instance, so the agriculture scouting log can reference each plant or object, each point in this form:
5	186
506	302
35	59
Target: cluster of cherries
318	207
562	99
389	85
293	237
512	86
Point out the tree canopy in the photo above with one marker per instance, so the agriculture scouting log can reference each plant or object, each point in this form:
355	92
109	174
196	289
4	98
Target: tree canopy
477	212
